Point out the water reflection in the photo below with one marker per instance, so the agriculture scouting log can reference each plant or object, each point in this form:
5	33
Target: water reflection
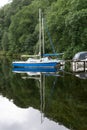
65	99
31	74
77	68
40	76
15	118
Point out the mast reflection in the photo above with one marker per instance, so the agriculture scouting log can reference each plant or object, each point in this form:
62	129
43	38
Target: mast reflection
40	77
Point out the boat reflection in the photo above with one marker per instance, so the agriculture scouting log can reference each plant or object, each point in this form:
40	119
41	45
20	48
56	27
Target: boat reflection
60	99
36	72
40	76
81	75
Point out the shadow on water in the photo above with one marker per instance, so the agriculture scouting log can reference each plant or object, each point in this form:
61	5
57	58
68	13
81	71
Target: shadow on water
61	96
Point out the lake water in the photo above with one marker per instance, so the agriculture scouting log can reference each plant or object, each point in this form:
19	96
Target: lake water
43	101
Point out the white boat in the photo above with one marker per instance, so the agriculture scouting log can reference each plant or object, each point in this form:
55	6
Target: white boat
38	63
44	60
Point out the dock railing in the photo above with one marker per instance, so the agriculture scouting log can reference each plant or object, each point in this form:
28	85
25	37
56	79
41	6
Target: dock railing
78	66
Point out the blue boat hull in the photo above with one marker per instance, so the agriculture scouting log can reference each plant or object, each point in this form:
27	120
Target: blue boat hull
35	65
34	69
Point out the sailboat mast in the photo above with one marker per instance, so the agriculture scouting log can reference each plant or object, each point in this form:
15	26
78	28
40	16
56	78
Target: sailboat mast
43	51
40	41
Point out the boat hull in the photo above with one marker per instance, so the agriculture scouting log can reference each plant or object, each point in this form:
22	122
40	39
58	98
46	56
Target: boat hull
35	65
34	69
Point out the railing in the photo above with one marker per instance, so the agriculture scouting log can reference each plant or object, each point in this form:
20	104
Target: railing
78	66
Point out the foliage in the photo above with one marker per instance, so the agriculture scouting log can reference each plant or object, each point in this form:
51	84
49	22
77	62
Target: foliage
21	31
5	41
66	22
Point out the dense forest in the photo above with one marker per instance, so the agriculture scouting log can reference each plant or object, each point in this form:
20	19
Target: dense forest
66	21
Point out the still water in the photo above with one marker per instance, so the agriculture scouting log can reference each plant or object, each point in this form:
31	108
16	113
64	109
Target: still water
41	101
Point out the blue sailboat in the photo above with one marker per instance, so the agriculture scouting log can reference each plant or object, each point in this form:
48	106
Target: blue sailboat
44	61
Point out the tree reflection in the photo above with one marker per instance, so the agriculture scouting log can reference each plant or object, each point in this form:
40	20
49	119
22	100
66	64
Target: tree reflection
64	96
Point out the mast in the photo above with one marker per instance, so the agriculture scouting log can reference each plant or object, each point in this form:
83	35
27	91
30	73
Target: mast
41	34
43	51
40	41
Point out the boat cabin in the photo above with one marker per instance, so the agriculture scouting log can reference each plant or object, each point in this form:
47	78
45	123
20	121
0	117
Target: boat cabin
80	56
79	62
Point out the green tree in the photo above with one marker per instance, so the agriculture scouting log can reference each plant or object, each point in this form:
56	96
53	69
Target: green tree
21	30
67	24
5	41
66	21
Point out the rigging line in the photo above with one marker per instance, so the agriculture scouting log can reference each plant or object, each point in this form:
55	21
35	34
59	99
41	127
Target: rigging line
50	38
